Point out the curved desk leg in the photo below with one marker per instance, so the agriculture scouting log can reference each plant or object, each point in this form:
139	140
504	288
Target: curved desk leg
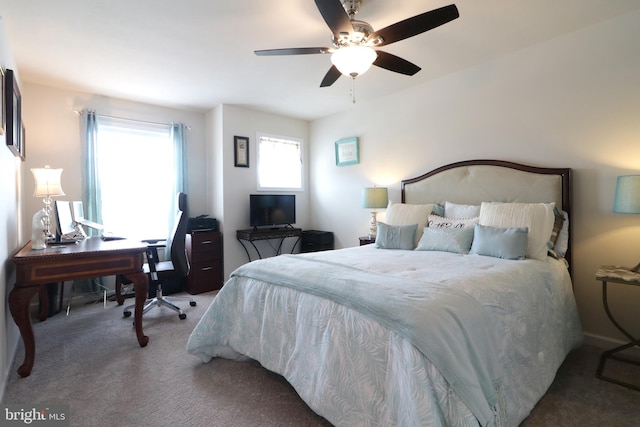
141	286
19	299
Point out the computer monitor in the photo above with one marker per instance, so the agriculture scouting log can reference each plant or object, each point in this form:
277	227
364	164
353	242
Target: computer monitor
65	225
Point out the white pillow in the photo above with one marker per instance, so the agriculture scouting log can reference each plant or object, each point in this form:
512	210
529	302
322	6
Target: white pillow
436	221
537	217
455	210
406	214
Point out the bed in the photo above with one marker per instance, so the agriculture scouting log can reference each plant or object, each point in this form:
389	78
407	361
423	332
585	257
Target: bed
427	326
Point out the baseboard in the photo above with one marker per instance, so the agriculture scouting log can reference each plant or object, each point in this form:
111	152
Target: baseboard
606	343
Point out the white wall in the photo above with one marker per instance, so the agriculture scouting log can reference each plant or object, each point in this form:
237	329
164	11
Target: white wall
569	102
53	130
238	183
10	218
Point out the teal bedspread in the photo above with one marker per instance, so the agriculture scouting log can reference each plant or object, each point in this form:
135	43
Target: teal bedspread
449	327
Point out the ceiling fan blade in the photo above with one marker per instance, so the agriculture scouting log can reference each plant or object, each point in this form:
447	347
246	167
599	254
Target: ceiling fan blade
335	16
330	78
292	51
416	25
395	63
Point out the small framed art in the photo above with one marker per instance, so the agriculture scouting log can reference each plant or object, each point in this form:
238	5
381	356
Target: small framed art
347	152
241	151
12	110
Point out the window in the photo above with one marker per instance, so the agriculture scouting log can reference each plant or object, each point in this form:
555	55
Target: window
279	163
135	168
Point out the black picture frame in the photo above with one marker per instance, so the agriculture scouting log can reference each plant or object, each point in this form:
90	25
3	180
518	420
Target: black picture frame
13	114
241	151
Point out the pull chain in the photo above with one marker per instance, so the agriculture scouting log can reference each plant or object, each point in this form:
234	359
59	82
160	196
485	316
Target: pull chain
353	88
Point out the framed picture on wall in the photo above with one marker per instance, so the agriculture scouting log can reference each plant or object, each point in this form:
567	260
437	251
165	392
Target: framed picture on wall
347	152
241	151
13	118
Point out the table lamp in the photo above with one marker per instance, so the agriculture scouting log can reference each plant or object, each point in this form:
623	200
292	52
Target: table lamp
374	198
47	186
627	199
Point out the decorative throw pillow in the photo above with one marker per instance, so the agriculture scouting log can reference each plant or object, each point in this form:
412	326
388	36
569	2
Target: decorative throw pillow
407	214
557	227
438	210
456	210
436	221
456	240
537	217
395	236
507	243
562	243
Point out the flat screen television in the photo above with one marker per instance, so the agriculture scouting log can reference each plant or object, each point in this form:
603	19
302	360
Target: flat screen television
272	210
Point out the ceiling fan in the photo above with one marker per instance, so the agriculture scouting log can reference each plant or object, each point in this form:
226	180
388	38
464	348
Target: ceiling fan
352	52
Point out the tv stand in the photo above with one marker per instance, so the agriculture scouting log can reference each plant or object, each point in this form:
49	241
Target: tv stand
252	235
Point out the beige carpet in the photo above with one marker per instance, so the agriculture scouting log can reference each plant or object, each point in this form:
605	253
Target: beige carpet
91	361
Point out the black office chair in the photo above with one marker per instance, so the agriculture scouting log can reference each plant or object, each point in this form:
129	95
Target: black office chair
160	272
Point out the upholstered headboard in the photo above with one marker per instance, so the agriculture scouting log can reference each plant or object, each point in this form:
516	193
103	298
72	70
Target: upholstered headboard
477	181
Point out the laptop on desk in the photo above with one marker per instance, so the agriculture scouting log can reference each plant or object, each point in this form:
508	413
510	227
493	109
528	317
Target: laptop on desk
78	214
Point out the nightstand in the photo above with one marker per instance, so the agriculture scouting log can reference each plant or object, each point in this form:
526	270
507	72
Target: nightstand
366	240
620	275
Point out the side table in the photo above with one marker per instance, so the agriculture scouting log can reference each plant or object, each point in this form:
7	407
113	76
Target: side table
366	240
621	275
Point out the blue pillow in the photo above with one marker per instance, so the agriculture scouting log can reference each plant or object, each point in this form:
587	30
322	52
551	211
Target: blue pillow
507	243
456	240
395	236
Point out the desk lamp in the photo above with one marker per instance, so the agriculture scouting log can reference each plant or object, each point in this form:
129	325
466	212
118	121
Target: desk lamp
627	199
47	186
374	198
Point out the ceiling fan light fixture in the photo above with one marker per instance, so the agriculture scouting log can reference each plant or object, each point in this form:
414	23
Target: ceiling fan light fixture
353	60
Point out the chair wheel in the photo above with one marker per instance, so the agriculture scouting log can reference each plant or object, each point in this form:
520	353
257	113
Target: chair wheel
126	313
192	303
182	316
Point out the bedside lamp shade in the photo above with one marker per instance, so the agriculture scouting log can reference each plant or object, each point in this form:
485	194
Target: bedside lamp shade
374	198
627	198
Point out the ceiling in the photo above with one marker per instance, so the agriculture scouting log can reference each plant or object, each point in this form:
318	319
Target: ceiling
197	54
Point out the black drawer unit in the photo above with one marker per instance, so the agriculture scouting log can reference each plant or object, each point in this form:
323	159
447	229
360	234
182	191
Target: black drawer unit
314	241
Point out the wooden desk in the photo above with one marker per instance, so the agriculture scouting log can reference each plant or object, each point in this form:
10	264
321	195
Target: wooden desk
92	257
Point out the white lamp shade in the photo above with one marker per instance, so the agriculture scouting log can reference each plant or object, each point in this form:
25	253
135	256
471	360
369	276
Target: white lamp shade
627	199
353	60
374	197
47	182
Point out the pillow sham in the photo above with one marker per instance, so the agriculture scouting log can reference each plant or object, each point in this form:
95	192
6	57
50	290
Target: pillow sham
395	236
456	240
441	222
537	217
456	210
407	214
506	243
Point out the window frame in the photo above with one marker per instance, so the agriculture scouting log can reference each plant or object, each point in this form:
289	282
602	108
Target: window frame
300	141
